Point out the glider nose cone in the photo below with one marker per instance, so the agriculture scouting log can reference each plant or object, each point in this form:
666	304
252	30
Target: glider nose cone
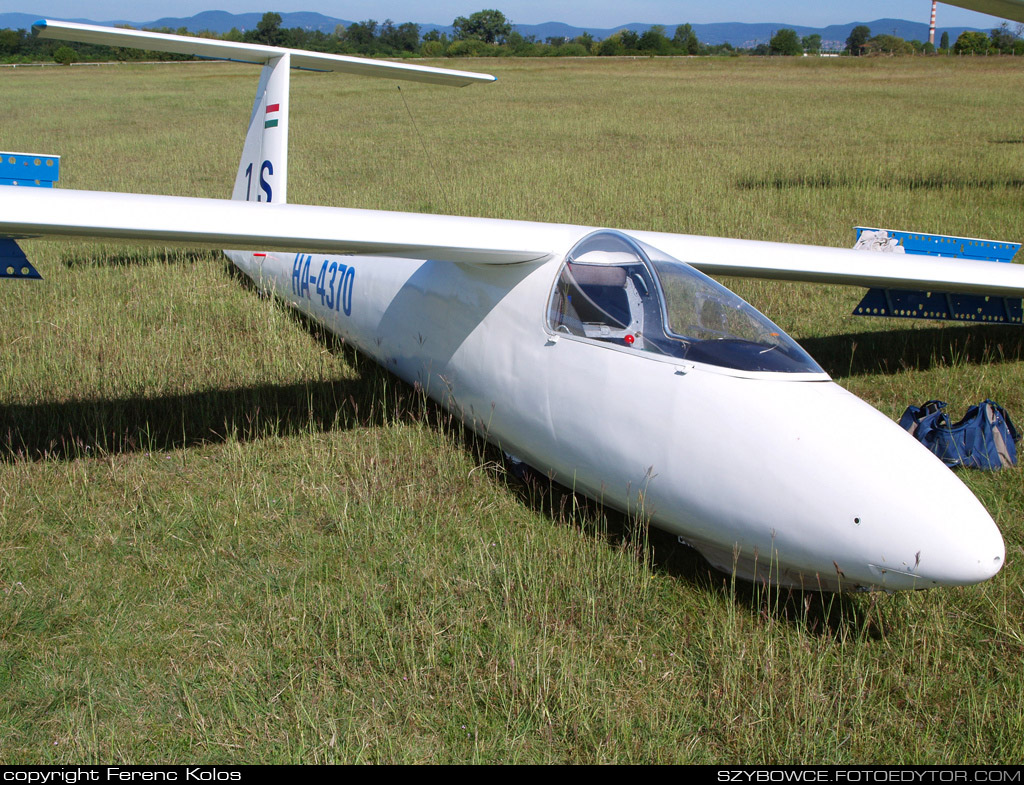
916	525
982	558
857	503
962	545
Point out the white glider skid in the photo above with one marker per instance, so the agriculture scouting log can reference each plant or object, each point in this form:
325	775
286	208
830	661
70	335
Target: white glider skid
602	357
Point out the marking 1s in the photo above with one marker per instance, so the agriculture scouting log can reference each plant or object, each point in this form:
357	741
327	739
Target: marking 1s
266	168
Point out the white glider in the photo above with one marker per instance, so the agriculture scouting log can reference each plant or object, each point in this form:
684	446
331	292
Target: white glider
601	357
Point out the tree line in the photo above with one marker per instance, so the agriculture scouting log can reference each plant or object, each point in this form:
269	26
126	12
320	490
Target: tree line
490	33
1000	40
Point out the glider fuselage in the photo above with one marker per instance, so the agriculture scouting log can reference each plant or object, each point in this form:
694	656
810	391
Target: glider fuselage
777	476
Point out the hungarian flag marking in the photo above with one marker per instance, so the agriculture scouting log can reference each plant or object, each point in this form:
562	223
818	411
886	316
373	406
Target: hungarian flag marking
271	109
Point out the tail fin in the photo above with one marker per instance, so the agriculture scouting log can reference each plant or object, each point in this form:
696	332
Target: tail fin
263	172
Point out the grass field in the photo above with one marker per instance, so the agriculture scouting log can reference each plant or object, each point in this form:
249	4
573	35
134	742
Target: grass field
226	538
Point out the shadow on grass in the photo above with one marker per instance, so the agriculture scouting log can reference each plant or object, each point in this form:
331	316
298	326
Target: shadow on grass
891	351
135	257
77	428
65	430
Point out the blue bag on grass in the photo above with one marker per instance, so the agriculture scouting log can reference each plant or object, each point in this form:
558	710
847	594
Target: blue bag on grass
984	439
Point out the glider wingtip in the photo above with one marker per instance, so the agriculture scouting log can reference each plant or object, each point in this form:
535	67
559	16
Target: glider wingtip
481	79
39	24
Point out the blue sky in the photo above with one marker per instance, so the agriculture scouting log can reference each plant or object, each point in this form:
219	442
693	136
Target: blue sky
595	13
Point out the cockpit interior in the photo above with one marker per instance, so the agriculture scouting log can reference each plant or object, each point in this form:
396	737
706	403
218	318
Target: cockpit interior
617	290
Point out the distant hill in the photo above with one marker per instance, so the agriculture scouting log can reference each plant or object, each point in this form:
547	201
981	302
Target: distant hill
738	34
222	21
743	34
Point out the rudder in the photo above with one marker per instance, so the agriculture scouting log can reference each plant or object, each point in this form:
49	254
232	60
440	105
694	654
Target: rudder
263	171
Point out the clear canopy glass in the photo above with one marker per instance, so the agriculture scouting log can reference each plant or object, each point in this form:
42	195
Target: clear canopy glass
615	289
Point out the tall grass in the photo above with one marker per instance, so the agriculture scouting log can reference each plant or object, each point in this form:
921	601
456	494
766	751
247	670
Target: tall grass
225	537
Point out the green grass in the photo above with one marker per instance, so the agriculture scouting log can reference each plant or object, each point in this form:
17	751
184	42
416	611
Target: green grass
224	537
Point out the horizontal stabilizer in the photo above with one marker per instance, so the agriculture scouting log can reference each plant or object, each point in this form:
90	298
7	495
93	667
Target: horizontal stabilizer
251	53
14	263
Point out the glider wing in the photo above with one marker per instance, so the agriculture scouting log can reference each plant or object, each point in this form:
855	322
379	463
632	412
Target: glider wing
221	223
817	264
225	223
